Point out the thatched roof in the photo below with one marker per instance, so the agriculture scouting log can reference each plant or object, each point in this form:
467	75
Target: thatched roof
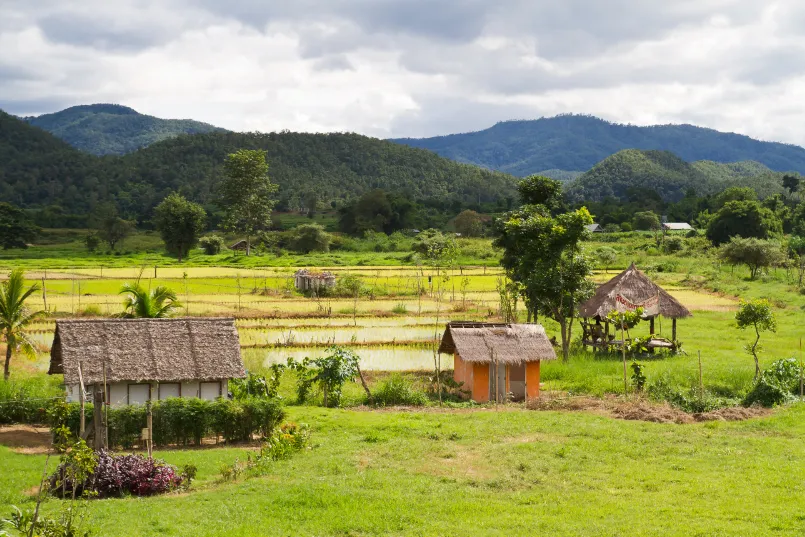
637	288
506	343
165	350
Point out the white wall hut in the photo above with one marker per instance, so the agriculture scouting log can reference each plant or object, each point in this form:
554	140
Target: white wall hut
147	359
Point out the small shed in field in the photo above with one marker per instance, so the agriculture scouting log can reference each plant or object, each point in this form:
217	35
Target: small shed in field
594	228
239	246
676	226
494	360
307	280
147	359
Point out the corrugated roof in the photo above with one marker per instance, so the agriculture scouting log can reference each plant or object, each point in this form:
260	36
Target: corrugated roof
505	343
677	226
637	288
146	349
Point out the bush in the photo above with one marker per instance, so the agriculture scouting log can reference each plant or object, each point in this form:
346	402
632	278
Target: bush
211	244
179	421
28	400
776	385
674	244
398	390
310	238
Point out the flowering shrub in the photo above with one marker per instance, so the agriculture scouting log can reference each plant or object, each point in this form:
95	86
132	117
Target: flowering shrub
129	474
280	445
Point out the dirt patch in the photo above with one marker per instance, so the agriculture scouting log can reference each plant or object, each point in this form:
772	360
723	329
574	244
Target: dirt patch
25	438
641	409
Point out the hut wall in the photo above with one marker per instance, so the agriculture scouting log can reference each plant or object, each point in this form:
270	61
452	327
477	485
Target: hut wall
480	383
119	391
532	379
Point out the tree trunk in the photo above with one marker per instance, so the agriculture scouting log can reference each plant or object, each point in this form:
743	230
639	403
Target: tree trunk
565	342
754	354
6	370
248	245
369	397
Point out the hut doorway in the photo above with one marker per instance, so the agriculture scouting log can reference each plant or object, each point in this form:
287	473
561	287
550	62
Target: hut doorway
517	381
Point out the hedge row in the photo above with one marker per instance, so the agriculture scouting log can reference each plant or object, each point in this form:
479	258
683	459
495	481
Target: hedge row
180	421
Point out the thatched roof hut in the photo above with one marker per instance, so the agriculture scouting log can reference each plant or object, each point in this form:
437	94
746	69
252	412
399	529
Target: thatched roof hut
146	350
505	343
635	287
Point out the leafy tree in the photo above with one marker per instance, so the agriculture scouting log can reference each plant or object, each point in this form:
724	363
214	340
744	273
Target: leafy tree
329	372
736	193
606	257
15	317
796	247
540	190
743	219
111	228
143	304
246	193
92	241
646	221
212	244
438	248
756	314
310	238
756	254
542	254
791	183
16	230
469	223
180	222
798	220
378	211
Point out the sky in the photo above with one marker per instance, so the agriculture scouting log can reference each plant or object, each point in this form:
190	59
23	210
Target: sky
395	68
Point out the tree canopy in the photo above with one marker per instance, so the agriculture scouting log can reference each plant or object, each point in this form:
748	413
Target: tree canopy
743	219
180	222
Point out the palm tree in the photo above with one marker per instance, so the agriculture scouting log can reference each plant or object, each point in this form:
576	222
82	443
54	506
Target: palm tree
141	303
15	317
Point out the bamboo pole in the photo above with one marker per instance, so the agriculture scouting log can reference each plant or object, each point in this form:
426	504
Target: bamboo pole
701	381
82	423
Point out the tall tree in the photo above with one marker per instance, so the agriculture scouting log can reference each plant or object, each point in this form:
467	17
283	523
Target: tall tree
15	316
180	222
469	223
542	253
247	193
142	303
16	230
743	219
111	227
791	183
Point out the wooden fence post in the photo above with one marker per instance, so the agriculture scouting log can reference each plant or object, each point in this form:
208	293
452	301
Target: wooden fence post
98	421
44	294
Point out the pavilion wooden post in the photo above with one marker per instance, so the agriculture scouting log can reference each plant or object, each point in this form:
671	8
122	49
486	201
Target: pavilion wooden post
98	421
623	348
82	425
149	442
673	330
651	326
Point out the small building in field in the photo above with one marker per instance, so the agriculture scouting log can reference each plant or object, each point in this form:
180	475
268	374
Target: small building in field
676	226
307	280
594	228
496	360
239	246
147	359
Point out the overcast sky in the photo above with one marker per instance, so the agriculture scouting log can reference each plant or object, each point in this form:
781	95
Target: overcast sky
412	67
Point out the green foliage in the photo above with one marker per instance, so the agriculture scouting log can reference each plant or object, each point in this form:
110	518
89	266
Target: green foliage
112	129
141	303
469	224
211	244
180	222
246	193
28	399
777	384
378	211
756	254
436	247
606	256
92	241
111	228
310	238
735	193
743	219
280	445
539	190
15	317
328	372
756	314
16	229
638	376
673	245
398	390
578	142
646	221
257	385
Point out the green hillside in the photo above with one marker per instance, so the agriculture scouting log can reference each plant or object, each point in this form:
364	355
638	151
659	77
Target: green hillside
112	129
669	176
575	142
38	170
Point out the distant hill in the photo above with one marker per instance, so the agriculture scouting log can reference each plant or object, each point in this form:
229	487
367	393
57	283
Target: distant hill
39	170
669	176
112	129
575	142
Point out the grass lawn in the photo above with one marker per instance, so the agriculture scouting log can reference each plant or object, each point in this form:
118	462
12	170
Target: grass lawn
484	472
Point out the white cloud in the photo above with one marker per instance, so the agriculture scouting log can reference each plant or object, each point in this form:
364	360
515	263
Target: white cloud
412	67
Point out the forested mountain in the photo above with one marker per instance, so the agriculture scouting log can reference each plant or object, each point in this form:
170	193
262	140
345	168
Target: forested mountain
621	174
38	170
112	129
574	142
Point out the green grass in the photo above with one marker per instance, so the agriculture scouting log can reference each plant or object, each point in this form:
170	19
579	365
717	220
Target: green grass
508	472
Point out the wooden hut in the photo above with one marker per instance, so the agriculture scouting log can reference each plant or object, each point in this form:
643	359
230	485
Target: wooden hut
147	359
629	290
496	360
307	280
239	246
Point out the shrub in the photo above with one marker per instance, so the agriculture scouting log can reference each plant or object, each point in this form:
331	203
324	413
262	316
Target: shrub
211	244
27	400
400	308
776	385
280	445
674	244
398	390
310	238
